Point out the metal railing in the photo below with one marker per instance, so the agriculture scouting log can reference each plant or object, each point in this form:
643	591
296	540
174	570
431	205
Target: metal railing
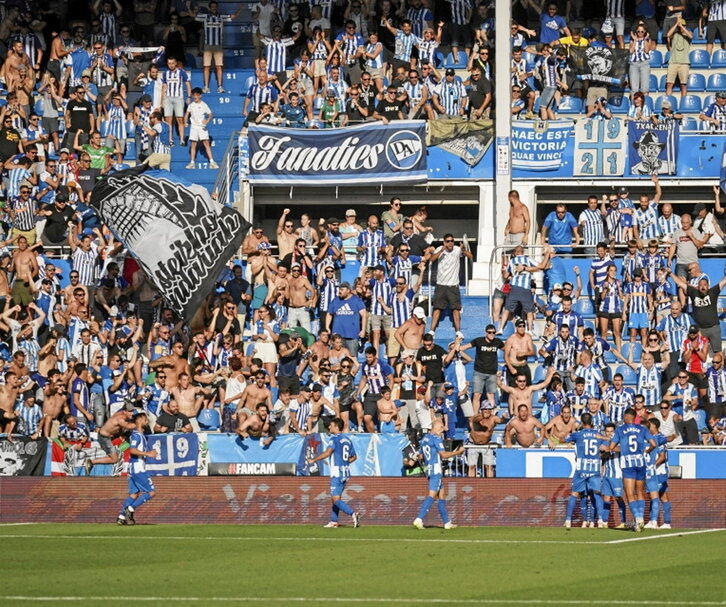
228	173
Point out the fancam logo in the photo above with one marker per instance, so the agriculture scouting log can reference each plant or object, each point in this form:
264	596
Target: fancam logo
404	149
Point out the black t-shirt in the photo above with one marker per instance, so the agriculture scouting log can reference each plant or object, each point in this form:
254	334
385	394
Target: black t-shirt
80	113
174	422
417	243
353	112
389	109
368	96
486	354
433	362
704	307
478	90
87	179
9	141
56	224
221	323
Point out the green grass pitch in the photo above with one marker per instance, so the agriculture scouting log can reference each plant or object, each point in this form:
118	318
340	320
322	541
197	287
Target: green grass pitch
287	565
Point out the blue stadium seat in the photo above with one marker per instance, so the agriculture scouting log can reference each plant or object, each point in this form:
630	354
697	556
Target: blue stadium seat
539	374
690	104
653	84
637	350
609	357
649	103
663	82
697	38
696	82
458	63
570	105
718	59
508	330
439	58
689	124
656	58
589	324
699	59
585	308
209	419
716	82
659	101
619	104
629	376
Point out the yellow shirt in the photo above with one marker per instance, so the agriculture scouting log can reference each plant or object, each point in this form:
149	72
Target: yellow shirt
568	41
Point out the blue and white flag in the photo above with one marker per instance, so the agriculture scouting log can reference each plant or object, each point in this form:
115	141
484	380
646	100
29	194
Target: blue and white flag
540	145
372	152
177	454
180	236
652	148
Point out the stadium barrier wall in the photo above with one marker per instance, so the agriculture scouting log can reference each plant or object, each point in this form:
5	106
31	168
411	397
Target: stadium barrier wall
288	500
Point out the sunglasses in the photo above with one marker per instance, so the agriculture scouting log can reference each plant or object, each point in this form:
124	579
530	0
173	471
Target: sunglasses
683	377
491	331
401	284
345	366
449	240
664	408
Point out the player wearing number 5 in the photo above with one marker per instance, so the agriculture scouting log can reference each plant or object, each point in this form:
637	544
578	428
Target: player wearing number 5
343	455
432	450
633	441
141	487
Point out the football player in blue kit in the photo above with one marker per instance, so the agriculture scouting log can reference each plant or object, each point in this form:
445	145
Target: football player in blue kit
586	480
141	487
343	455
656	478
612	480
634	441
432	451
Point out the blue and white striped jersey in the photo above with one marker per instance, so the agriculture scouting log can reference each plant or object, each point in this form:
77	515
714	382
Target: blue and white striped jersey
382	289
592	376
611	466
372	242
452	96
618	401
676	329
28	419
400	309
638	292
327	291
649	384
137	463
633	440
647	222
717	10
404	45
175	81
520	279
669	225
600	268
419	18
563	353
460	10
213	27
276	53
587	451
641	52
259	94
376	375
86	264
569	319
593	228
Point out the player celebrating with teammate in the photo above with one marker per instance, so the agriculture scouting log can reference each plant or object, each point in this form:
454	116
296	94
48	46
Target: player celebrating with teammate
432	448
341	448
634	442
141	487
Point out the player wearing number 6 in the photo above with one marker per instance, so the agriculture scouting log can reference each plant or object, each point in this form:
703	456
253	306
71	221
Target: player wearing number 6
633	441
141	487
432	450
341	448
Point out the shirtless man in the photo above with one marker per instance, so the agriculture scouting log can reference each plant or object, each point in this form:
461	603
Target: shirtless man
258	425
521	393
58	51
410	333
8	396
190	399
319	350
256	246
15	58
25	266
18	366
55	398
322	406
387	412
286	235
301	297
4	284
482	428
517	228
518	347
522	428
253	394
69	291
560	427
48	357
119	423
175	364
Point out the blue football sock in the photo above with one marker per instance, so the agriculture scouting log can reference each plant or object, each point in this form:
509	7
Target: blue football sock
344	507
623	512
605	510
142	499
583	507
641	509
667	512
127	502
571	507
334	513
425	507
633	506
654	509
442	511
599	507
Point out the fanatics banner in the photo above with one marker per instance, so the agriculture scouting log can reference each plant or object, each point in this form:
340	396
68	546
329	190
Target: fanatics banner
179	235
372	152
599	65
653	148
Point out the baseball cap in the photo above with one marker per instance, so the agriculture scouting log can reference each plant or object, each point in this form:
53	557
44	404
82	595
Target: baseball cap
408	352
451	72
86	73
333	220
316	388
557	286
721	94
520	323
459	335
418	312
28	394
350	213
344	285
698	208
692	330
66	150
487	405
623	190
295	265
666	104
448	386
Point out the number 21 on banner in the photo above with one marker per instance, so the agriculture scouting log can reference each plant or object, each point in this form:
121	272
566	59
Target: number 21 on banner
600	148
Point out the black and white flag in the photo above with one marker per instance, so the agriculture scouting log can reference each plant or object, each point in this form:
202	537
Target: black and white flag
178	234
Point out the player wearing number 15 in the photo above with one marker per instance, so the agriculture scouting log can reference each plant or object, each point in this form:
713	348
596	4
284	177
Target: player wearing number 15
141	487
341	448
634	441
586	480
432	449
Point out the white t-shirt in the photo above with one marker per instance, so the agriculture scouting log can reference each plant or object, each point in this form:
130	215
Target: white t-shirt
197	113
264	17
448	268
322	23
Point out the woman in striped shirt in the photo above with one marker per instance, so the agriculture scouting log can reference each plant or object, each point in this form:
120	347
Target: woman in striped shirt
113	127
639	71
373	56
610	310
319	49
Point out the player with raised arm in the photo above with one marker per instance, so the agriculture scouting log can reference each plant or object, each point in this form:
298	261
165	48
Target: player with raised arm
656	478
432	450
634	441
343	455
587	471
141	487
